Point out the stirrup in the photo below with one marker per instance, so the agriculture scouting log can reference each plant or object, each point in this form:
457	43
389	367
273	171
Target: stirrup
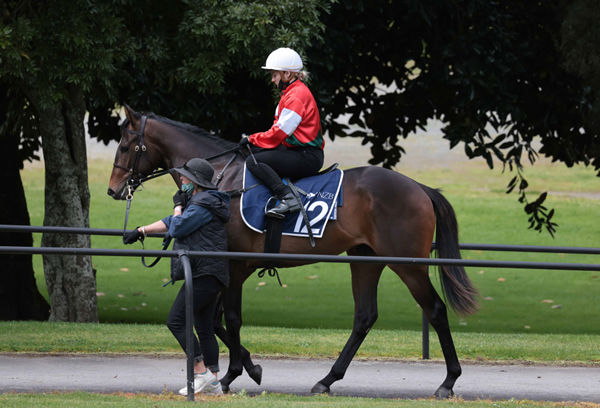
273	214
289	203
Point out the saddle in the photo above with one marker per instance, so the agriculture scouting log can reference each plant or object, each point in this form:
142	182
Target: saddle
320	196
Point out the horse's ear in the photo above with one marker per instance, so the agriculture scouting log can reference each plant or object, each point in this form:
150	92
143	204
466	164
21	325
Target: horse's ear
131	115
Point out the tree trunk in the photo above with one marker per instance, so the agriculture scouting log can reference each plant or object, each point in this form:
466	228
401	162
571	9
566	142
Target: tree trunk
19	295
70	278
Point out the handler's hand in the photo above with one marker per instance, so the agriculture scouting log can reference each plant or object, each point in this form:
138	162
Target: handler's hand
132	236
179	198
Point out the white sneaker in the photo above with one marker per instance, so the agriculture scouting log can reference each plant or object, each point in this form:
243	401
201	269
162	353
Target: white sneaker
213	388
200	382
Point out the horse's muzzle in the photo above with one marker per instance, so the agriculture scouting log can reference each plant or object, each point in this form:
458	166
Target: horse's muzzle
114	195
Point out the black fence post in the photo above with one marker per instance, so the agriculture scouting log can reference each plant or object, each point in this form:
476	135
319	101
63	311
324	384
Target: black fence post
189	322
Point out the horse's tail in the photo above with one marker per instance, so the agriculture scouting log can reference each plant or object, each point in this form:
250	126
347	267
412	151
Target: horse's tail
458	290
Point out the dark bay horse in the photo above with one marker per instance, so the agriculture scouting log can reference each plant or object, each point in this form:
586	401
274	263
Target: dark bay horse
384	214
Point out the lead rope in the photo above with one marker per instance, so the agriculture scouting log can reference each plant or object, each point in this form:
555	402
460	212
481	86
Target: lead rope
129	198
165	244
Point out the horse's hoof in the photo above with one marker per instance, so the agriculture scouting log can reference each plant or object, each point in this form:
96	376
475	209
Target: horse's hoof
225	388
443	393
320	389
256	373
226	380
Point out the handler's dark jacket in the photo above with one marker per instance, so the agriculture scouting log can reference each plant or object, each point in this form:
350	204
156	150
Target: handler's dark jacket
211	236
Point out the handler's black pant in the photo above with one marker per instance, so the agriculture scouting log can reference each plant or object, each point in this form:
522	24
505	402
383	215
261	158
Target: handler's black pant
206	291
282	161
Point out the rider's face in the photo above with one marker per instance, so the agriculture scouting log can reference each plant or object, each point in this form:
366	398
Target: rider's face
278	76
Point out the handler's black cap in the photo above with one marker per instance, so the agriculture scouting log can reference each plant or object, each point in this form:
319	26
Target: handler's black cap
199	171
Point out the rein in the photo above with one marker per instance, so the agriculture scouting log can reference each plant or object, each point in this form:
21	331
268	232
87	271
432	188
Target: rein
158	173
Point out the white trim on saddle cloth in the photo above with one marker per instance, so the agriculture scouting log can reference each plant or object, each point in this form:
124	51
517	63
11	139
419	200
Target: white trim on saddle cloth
324	194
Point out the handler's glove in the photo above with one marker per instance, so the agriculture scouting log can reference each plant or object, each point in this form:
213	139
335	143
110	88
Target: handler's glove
244	141
180	198
129	237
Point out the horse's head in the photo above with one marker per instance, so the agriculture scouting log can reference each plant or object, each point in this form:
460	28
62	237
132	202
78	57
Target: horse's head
133	160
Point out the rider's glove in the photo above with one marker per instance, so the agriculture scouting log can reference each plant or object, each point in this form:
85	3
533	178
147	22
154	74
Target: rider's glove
244	141
129	237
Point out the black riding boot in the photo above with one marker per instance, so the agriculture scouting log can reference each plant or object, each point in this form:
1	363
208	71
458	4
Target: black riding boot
287	203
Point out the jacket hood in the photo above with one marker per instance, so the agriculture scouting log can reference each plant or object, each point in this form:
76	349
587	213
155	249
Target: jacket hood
216	202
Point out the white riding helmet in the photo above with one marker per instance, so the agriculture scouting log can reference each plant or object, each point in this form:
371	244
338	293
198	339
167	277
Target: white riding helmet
284	59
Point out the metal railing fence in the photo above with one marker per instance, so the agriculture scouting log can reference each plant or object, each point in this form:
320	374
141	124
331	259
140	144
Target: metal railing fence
184	255
481	247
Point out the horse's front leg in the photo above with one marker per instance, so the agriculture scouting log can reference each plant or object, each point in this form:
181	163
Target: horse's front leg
364	288
253	370
232	305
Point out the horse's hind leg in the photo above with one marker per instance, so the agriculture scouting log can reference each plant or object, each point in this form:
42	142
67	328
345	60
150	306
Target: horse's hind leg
419	284
365	278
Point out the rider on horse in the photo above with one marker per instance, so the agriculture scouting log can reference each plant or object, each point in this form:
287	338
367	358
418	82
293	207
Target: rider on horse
293	146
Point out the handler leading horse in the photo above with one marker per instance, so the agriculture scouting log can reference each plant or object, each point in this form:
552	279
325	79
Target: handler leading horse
384	214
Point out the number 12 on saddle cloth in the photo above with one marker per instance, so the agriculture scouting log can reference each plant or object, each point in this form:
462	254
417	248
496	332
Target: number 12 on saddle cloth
323	196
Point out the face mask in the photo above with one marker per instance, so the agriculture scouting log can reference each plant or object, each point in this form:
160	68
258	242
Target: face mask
187	188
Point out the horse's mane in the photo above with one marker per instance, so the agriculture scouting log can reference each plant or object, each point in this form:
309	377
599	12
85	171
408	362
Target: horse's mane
195	130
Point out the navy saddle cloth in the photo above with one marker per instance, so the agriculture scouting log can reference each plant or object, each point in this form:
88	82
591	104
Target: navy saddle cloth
324	194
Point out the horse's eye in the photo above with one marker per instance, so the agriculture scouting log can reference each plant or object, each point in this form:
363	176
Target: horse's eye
124	149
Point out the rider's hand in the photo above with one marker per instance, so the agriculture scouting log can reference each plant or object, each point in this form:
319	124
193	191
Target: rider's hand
179	198
244	141
132	236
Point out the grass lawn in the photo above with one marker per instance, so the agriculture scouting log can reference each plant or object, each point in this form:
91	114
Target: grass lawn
45	337
319	296
84	400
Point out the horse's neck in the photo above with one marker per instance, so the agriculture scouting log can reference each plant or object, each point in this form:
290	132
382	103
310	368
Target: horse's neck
177	146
